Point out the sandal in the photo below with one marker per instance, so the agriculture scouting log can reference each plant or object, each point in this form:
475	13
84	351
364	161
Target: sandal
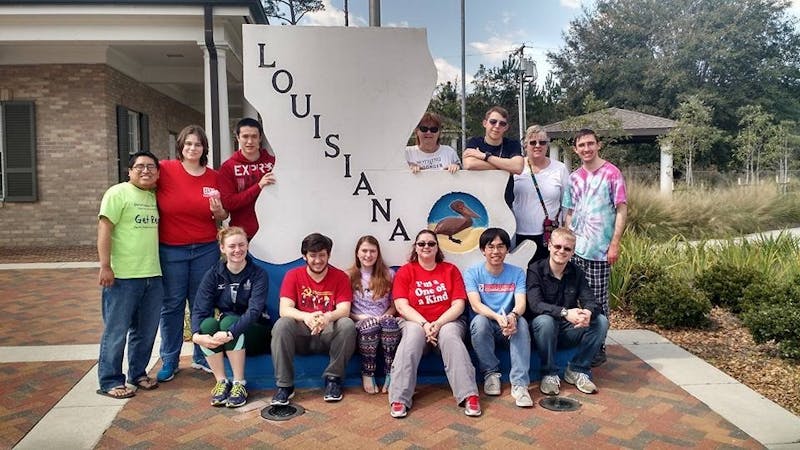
369	384
386	382
118	392
146	383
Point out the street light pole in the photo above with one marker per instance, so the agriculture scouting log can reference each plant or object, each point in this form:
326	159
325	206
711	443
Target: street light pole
463	82
374	13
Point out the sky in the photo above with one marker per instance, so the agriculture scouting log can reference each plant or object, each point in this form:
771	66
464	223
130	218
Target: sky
493	28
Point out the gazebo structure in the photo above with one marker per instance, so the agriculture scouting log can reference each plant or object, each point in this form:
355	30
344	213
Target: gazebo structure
637	128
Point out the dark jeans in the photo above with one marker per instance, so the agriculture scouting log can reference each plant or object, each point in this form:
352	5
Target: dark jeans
549	333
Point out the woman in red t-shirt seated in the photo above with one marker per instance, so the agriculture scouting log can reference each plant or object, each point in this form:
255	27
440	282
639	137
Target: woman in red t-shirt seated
430	295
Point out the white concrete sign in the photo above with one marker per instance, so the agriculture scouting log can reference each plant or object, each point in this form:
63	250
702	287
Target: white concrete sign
338	105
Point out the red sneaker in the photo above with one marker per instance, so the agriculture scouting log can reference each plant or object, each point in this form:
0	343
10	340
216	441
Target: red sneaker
398	410
472	407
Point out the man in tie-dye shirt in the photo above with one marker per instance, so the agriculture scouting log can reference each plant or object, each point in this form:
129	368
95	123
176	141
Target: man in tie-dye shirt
596	205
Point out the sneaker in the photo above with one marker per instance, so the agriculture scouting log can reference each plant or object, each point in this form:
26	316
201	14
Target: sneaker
333	389
219	396
238	396
521	396
282	396
550	385
491	384
600	358
167	372
398	410
202	365
580	380
472	407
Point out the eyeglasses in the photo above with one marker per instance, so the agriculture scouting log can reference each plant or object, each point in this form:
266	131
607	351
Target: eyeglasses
425	129
141	167
558	247
533	143
490	247
422	244
495	122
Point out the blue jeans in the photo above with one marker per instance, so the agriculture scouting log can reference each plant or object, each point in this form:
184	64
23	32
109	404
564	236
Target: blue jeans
183	267
550	333
130	310
485	332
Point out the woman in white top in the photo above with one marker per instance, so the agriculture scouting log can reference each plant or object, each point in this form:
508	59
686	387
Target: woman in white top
428	154
552	178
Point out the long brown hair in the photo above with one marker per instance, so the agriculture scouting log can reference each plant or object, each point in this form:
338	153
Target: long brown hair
381	282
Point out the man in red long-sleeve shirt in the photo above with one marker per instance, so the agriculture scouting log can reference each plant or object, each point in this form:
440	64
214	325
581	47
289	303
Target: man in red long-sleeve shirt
244	174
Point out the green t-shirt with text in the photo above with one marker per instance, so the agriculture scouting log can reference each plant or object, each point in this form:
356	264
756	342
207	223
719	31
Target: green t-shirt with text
134	240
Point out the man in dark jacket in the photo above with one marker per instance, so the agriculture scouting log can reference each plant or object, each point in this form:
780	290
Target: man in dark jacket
564	314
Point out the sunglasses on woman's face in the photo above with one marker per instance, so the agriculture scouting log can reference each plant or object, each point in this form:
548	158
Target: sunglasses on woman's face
422	244
533	143
425	129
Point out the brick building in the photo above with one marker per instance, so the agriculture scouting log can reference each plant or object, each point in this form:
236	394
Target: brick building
83	84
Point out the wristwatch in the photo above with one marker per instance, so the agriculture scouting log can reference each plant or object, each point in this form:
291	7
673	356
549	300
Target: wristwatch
486	158
564	313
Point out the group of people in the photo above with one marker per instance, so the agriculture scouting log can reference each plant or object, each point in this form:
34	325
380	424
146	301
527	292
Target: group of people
159	244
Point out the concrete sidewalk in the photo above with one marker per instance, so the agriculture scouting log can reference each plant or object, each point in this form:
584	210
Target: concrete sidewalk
652	394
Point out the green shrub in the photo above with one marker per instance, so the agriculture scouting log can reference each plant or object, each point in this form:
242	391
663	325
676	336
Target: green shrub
724	284
779	323
766	293
671	302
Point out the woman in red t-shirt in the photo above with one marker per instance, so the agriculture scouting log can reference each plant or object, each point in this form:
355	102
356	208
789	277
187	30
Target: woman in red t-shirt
430	295
189	208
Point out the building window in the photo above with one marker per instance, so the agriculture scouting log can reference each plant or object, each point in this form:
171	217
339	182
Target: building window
133	135
18	152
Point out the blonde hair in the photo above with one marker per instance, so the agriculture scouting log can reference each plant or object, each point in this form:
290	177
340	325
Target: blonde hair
533	129
564	233
226	232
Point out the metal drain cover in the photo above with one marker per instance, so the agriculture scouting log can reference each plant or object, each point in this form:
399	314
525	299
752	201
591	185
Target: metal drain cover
557	403
282	412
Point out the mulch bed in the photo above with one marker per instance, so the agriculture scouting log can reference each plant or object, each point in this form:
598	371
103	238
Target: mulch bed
727	345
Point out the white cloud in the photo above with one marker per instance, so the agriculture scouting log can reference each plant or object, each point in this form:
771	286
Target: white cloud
448	72
572	4
493	51
332	16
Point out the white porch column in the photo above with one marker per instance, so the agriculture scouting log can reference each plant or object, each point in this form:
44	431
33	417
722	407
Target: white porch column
666	170
553	152
568	160
224	126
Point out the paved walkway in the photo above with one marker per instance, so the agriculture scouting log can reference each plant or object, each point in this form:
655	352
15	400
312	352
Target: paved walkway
652	394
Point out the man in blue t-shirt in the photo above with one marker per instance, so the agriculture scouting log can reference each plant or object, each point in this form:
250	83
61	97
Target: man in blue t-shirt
496	293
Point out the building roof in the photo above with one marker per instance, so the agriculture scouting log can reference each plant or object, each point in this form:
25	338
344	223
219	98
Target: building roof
634	123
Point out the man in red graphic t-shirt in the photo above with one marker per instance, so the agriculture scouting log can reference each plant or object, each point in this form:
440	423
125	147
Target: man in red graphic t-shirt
314	318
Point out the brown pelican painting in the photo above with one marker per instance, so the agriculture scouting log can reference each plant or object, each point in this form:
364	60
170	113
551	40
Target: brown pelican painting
453	225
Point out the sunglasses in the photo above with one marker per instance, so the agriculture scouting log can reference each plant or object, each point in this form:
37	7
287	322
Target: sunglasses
561	247
495	122
422	244
425	129
533	143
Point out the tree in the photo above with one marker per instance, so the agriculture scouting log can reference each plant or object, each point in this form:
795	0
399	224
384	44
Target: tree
493	86
291	11
693	135
755	128
781	144
646	55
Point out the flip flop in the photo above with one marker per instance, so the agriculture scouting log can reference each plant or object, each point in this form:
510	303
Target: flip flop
146	383
118	392
369	384
386	383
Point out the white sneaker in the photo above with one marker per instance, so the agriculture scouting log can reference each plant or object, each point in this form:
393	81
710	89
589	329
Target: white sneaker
550	385
521	396
580	380
491	384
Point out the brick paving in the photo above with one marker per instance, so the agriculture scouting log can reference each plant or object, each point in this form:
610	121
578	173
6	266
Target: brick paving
636	407
50	307
30	390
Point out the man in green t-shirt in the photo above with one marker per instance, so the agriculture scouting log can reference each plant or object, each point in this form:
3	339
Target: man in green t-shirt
130	274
